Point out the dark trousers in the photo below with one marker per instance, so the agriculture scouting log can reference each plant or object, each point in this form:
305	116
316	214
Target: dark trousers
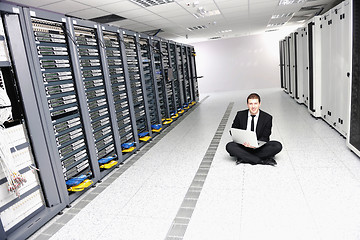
254	155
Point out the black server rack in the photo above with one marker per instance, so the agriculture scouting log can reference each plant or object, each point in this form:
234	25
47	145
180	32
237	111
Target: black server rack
193	74
160	82
181	81
138	91
176	81
168	78
147	59
122	99
187	86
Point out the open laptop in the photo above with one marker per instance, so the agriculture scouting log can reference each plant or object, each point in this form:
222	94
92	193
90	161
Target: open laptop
241	136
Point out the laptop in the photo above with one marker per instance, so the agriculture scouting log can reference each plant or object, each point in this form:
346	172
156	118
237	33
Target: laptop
241	136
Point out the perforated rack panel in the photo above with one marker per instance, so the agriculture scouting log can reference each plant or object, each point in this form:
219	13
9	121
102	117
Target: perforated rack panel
148	77
176	83
186	75
159	75
61	96
180	68
92	74
119	90
136	83
169	77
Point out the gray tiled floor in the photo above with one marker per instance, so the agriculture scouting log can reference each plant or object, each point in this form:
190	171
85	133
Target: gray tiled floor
313	193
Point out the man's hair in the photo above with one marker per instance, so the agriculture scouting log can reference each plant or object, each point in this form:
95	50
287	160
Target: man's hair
253	96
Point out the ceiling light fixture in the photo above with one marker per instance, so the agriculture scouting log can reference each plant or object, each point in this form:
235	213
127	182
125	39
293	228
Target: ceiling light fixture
288	2
150	3
196	27
225	31
275	24
276	16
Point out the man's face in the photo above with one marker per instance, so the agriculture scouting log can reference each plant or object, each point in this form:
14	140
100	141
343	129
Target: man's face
253	105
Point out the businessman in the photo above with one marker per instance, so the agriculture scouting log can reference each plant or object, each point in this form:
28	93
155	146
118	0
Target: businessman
254	119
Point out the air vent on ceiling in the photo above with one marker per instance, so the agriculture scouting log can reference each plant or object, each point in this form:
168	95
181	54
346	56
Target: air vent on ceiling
107	18
150	3
196	28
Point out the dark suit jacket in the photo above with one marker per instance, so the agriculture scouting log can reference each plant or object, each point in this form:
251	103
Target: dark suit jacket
263	127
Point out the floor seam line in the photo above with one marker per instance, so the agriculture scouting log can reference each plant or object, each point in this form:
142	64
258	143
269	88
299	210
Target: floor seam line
180	233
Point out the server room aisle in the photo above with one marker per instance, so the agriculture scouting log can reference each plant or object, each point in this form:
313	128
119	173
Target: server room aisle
313	192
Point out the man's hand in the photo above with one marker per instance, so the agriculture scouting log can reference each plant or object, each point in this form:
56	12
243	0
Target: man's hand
246	144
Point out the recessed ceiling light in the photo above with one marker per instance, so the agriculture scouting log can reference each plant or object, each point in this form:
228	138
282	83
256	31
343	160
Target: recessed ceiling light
288	2
225	31
150	3
196	27
276	16
275	24
212	13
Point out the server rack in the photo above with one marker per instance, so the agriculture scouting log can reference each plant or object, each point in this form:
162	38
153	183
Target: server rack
287	66
353	140
176	82
193	75
187	86
299	67
136	75
341	51
180	67
305	69
327	112
147	59
169	78
120	86
160	82
314	37
282	64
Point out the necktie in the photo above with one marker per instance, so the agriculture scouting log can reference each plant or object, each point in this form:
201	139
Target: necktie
252	122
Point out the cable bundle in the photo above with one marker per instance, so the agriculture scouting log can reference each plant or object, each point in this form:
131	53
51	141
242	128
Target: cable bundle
14	178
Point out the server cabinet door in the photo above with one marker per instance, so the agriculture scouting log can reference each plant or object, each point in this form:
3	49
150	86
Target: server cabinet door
292	57
344	53
327	44
299	67
305	53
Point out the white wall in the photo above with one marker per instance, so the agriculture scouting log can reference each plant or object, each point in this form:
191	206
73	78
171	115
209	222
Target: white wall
250	62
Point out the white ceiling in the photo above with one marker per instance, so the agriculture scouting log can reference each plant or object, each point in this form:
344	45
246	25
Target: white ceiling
242	17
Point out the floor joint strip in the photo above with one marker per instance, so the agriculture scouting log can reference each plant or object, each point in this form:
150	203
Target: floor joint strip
198	182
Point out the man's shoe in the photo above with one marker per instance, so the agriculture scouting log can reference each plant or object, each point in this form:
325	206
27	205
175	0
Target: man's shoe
269	161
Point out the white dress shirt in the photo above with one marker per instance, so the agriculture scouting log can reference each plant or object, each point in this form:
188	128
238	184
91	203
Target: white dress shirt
248	127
